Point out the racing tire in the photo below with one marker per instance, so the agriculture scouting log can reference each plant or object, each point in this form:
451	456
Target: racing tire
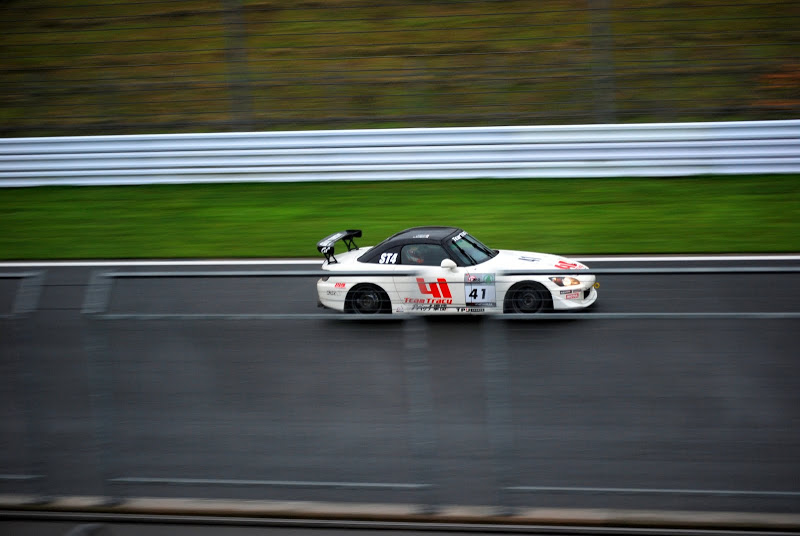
527	298
367	300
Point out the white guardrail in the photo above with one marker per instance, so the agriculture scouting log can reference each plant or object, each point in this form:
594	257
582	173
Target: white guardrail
647	150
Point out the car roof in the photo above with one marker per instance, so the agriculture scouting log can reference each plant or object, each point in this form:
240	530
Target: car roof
432	233
414	235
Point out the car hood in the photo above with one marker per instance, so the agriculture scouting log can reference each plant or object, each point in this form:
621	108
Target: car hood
531	260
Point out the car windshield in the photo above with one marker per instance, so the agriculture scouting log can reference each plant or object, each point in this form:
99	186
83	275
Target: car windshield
469	249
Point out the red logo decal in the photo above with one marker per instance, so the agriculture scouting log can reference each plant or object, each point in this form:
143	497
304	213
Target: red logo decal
340	285
564	265
440	290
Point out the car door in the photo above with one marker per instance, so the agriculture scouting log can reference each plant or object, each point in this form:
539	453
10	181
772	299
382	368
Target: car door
423	285
384	265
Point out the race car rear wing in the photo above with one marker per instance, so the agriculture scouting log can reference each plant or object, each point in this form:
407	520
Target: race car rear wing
325	246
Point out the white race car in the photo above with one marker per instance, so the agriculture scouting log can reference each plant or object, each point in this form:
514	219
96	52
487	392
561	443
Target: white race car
445	270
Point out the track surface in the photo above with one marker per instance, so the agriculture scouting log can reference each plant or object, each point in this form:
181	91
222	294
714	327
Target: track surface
679	414
119	526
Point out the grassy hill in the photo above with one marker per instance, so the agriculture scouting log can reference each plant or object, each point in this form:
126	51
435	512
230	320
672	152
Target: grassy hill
140	66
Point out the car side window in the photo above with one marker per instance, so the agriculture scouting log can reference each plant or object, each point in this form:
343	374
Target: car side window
423	254
390	256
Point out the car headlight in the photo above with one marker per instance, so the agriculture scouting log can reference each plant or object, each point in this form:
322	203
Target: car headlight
565	281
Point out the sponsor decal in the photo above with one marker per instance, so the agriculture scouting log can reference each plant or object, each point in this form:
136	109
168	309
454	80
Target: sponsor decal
428	300
564	265
573	296
459	236
333	292
479	289
422	236
388	258
429	307
470	309
439	292
436	290
530	259
340	285
330	241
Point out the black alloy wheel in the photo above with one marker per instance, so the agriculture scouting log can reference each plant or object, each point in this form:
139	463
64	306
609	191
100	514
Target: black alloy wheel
526	298
367	300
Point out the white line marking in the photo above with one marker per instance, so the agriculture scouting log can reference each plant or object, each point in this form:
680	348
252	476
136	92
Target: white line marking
656	491
20	477
690	258
272	483
287	262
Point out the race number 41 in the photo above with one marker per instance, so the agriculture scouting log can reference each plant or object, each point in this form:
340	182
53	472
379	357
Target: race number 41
479	289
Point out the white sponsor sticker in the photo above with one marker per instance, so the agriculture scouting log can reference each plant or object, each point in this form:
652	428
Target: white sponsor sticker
479	289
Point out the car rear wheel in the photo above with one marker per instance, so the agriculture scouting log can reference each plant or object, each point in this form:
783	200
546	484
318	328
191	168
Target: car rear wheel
526	298
367	300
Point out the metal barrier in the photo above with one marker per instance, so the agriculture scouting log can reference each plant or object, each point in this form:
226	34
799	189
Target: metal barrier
647	150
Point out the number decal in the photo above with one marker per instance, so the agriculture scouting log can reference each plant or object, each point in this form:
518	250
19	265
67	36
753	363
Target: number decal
388	258
437	290
480	290
474	293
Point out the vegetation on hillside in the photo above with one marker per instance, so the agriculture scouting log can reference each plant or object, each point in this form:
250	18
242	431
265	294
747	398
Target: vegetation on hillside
141	66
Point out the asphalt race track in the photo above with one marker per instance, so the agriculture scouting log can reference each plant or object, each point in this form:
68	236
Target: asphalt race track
636	413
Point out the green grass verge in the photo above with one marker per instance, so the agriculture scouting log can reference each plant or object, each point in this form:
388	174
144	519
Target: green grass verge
568	216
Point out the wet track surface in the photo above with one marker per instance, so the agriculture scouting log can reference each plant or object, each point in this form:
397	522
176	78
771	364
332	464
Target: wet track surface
677	414
246	527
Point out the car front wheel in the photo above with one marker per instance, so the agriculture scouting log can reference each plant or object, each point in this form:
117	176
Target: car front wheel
526	298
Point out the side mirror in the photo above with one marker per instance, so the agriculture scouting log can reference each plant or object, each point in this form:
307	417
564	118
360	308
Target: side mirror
448	264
